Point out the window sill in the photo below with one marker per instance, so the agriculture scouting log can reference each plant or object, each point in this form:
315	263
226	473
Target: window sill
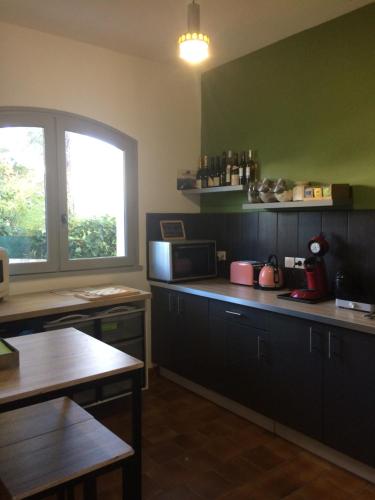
85	272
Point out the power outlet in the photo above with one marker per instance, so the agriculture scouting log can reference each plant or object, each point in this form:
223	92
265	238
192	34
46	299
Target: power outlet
299	262
289	262
294	262
221	255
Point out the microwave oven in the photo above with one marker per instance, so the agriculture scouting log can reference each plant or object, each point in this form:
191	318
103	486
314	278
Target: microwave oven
182	260
4	273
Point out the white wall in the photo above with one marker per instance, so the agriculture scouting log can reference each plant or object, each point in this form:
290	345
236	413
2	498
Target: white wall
159	105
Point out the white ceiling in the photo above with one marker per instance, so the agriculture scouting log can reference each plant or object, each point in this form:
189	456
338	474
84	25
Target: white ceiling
149	28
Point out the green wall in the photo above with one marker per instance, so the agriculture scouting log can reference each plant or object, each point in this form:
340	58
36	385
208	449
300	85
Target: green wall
306	104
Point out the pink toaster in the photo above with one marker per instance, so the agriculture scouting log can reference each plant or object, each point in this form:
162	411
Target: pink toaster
245	272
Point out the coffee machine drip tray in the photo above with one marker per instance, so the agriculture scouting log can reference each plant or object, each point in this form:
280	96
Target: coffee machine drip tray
288	296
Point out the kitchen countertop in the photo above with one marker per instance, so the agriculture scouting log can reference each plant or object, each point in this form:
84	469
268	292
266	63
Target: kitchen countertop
33	305
324	312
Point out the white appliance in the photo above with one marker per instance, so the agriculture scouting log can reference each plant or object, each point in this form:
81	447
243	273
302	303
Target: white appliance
357	306
4	273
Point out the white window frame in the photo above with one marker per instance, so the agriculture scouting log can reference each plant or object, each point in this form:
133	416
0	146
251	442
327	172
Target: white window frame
55	124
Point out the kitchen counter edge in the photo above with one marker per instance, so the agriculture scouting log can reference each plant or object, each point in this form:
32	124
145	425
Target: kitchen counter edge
324	312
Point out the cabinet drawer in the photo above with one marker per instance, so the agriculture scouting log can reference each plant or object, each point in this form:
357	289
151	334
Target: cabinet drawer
85	397
236	313
134	348
116	389
85	326
123	327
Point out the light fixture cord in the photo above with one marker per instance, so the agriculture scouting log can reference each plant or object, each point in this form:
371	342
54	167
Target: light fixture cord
193	17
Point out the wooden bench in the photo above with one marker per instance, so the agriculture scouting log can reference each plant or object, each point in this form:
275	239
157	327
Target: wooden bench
49	447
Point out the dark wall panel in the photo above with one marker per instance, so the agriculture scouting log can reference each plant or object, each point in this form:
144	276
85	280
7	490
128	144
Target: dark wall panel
361	244
309	225
287	235
335	229
249	234
267	235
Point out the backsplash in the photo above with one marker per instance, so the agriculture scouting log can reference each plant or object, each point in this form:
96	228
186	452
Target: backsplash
256	235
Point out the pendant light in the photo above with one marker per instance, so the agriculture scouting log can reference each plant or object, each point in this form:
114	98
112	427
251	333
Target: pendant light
193	45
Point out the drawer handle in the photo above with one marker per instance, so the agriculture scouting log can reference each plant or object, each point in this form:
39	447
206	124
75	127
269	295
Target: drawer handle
329	345
260	348
117	309
332	351
71	318
233	313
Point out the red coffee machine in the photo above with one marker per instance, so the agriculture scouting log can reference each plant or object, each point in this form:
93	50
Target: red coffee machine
315	271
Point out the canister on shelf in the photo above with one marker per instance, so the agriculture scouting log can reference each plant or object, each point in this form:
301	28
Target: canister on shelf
266	193
299	191
309	192
283	191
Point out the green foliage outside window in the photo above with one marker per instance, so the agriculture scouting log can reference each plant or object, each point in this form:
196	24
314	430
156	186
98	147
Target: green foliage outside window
22	221
92	237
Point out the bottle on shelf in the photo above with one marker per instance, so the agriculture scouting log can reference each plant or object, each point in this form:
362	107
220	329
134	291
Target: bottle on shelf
242	169
198	179
228	171
223	172
205	173
211	172
235	173
217	172
252	167
256	168
252	173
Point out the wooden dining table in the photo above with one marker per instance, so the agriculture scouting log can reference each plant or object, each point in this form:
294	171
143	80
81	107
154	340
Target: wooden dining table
59	362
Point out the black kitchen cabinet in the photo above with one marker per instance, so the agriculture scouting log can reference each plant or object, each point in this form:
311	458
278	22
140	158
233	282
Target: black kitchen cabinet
349	394
323	384
297	373
180	333
190	341
240	365
311	377
163	326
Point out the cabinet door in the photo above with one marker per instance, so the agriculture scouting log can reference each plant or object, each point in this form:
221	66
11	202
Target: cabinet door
349	395
240	363
297	373
162	325
190	337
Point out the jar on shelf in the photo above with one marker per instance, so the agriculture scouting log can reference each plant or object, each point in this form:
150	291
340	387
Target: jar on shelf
253	192
283	190
266	191
299	190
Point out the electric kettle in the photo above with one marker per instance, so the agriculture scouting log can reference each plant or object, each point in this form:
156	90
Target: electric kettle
271	275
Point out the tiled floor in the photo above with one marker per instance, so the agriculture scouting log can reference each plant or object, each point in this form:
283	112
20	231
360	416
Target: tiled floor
194	450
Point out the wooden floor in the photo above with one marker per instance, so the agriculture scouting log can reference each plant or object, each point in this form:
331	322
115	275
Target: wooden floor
194	450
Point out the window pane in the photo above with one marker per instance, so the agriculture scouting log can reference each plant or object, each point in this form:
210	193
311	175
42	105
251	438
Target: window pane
22	194
96	199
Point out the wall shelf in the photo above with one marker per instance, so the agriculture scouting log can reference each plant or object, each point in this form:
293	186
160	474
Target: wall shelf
278	205
221	189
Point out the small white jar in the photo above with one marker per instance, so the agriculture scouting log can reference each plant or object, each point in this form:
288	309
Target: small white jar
299	191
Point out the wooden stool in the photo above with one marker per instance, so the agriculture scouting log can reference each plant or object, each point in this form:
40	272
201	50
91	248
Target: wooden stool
48	447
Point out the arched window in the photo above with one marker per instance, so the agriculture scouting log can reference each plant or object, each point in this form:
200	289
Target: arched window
68	192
